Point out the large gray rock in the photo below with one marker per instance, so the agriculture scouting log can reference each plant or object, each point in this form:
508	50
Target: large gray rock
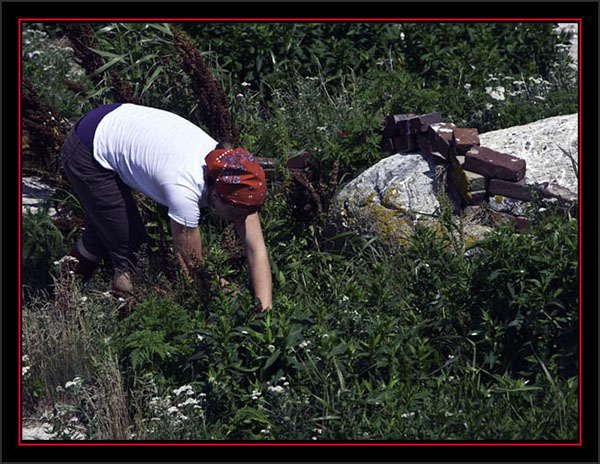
387	198
550	147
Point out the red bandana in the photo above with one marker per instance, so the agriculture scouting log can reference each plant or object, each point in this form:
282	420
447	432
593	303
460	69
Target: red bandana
238	177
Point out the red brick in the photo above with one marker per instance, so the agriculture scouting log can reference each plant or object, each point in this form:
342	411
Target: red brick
391	123
270	166
440	135
518	190
494	164
416	124
464	139
405	143
520	222
477	197
427	151
298	160
388	145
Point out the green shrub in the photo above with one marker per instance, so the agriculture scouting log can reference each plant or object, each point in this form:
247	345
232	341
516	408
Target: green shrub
156	337
524	297
41	243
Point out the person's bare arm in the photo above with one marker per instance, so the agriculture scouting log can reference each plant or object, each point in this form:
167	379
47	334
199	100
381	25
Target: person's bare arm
188	244
250	233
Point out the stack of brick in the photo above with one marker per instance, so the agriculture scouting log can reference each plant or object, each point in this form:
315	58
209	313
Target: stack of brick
296	162
475	173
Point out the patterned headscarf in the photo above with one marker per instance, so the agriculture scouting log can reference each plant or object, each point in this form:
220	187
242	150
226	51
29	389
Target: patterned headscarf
239	179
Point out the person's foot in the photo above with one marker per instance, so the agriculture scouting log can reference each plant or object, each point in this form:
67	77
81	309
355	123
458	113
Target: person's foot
122	283
84	267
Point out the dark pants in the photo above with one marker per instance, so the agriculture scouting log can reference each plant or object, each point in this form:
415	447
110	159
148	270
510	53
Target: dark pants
113	227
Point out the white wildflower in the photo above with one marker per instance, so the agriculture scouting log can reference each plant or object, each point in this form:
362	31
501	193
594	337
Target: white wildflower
25	370
407	414
277	390
497	93
73	383
304	344
184	388
172	410
245	84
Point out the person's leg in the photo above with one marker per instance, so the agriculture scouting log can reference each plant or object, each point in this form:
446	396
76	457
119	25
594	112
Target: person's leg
113	224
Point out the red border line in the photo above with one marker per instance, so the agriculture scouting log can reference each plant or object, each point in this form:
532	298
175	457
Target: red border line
21	20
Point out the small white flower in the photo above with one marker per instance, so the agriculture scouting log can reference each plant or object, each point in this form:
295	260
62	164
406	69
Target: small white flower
184	388
407	414
277	390
304	344
76	381
244	332
245	84
172	410
200	337
25	369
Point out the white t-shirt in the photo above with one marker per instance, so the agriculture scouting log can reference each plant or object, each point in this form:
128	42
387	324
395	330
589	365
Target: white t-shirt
159	154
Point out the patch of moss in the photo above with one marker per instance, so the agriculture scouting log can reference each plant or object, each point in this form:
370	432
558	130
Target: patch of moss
390	224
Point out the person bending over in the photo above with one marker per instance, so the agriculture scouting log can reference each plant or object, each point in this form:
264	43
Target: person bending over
117	148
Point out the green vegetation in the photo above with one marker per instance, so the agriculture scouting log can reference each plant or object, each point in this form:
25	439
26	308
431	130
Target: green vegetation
426	344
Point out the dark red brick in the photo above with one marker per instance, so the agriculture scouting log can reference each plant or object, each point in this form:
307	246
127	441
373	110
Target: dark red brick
405	143
477	197
427	151
388	145
270	166
298	160
518	190
392	122
464	140
440	135
494	164
425	120
520	222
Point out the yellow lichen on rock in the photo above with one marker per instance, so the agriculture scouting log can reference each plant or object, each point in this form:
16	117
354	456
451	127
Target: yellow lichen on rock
461	180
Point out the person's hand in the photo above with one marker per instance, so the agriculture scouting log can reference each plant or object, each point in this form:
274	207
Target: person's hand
226	289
